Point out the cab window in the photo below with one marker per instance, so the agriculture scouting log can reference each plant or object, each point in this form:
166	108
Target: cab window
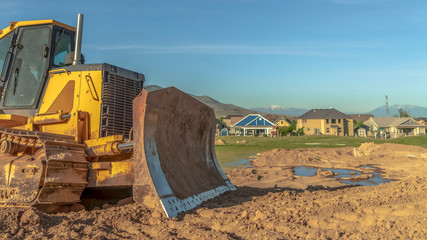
28	68
62	46
4	49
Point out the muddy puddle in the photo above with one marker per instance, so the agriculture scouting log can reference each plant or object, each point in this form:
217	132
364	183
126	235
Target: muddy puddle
239	163
243	162
365	175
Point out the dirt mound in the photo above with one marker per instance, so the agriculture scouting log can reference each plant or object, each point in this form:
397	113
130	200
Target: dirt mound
271	202
367	149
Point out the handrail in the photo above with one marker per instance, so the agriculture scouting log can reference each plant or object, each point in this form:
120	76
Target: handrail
56	71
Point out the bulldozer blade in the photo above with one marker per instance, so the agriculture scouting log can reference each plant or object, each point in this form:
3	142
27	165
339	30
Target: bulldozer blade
174	152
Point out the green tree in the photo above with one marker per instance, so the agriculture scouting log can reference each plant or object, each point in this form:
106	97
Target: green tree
221	119
402	113
359	124
284	131
293	125
300	132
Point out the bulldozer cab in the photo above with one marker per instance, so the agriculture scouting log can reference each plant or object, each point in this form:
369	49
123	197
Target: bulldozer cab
28	50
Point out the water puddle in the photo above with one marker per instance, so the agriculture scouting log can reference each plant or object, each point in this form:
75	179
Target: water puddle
366	176
305	171
240	163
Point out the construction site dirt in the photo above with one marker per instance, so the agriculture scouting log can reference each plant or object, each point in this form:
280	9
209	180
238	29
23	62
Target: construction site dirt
271	202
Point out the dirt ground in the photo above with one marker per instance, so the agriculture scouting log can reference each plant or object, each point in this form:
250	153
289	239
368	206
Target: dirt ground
270	203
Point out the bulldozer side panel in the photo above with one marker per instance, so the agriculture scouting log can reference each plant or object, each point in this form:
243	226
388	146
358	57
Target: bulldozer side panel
72	92
90	99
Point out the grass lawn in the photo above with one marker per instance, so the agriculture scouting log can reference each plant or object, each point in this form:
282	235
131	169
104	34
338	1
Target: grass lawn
232	152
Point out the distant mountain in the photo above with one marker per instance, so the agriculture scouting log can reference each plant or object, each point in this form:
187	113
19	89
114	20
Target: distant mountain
222	109
274	109
219	108
414	111
152	88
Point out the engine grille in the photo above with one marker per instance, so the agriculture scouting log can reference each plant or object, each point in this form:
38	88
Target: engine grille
117	95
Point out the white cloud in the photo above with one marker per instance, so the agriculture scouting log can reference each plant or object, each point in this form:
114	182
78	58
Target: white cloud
310	49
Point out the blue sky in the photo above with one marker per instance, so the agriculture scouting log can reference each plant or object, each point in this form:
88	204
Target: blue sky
347	54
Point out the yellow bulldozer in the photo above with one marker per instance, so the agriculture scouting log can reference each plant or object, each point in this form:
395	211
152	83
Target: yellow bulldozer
69	129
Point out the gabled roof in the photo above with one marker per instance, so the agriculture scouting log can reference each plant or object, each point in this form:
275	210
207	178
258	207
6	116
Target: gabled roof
331	113
360	117
282	119
394	121
410	122
421	118
253	120
270	117
362	126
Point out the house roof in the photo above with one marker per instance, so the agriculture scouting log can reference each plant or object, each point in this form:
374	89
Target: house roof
394	121
362	126
410	123
360	117
421	118
282	119
331	113
253	120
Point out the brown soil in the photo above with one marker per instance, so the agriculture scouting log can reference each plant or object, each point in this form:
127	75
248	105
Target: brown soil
270	203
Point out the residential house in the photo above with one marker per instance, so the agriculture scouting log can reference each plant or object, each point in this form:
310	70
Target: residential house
361	131
223	132
395	127
219	127
253	125
421	120
230	120
327	122
282	122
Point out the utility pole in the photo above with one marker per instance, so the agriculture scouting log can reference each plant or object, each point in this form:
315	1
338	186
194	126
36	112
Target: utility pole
387	109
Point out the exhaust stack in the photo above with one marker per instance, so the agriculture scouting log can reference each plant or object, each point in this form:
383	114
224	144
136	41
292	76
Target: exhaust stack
77	49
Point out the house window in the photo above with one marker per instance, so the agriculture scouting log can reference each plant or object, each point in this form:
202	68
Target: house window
327	121
333	121
308	129
281	122
339	120
327	130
